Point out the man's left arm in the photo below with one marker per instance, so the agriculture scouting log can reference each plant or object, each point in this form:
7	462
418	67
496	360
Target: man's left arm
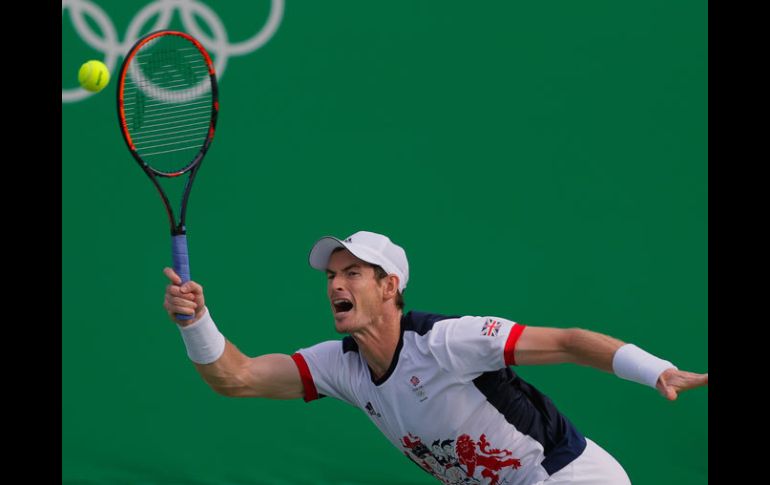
544	345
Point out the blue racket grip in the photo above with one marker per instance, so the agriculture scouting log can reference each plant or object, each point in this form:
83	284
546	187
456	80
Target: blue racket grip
181	263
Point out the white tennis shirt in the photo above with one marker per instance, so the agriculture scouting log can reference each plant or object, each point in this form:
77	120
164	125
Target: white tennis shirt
449	401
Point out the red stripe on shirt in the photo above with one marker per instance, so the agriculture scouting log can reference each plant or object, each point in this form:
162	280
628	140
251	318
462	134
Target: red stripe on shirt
510	344
307	379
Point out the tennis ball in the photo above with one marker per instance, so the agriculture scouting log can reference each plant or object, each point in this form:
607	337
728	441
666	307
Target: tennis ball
94	76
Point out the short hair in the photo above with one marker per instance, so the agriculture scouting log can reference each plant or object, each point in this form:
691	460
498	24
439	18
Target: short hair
380	273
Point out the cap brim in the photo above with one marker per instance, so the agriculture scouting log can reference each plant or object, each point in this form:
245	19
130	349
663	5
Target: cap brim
322	250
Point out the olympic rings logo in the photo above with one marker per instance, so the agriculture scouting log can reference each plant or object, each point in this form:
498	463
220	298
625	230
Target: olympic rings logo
112	48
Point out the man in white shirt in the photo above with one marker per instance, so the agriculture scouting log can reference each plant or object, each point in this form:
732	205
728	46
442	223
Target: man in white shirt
426	379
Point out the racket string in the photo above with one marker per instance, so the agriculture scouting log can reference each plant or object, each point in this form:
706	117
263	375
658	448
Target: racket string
168	102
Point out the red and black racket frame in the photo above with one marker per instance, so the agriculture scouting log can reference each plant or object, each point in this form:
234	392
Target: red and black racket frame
178	230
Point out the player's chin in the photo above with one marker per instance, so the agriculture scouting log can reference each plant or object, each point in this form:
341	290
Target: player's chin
344	320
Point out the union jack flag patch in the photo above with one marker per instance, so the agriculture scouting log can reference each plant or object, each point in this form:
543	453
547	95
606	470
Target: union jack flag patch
490	328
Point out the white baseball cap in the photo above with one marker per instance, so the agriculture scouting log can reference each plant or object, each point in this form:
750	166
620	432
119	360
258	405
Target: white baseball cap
369	246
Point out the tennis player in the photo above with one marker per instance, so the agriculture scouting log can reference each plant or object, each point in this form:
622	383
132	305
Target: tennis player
439	387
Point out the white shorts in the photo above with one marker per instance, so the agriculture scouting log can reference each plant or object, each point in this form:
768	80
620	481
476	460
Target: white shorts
594	466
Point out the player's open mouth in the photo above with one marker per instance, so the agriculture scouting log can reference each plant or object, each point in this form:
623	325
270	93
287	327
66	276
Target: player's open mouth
342	305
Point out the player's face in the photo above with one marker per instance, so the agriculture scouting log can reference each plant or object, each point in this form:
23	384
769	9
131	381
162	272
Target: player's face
354	293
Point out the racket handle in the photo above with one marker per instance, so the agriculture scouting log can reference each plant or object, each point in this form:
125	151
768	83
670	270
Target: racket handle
181	263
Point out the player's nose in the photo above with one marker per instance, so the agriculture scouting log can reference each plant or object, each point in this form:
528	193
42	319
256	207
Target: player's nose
335	284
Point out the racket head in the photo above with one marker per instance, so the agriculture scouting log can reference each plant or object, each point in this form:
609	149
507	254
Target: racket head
167	102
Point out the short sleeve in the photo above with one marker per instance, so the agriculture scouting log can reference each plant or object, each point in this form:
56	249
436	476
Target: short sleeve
325	371
469	346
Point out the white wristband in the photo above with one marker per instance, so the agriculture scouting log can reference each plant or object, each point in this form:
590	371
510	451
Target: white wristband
632	363
204	342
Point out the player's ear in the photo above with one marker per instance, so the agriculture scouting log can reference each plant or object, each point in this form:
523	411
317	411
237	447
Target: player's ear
390	286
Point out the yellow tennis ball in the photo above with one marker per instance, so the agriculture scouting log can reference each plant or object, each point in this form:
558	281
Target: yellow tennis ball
94	76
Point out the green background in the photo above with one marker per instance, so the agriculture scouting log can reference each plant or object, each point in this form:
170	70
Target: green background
543	161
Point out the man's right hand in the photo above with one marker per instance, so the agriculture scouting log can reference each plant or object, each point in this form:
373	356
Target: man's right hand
186	299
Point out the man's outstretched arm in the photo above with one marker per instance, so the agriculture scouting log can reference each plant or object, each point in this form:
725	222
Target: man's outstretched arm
544	345
225	368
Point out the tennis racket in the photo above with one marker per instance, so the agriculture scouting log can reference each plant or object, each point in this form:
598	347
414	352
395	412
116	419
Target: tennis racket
167	110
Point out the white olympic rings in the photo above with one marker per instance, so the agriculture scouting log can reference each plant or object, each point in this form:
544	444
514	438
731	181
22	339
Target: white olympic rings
112	48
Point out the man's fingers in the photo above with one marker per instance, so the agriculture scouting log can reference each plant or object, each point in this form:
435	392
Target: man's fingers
699	380
172	276
672	382
667	389
691	380
183	303
191	287
184	311
684	381
179	305
176	291
182	299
